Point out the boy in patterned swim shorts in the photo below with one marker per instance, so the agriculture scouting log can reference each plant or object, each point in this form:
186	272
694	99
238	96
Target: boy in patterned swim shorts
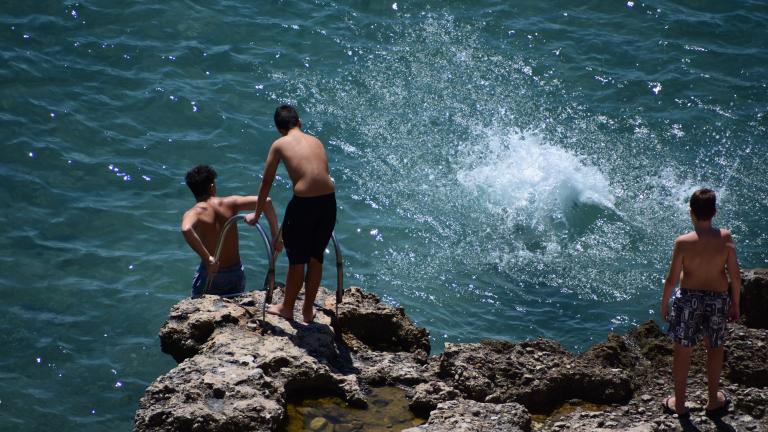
702	261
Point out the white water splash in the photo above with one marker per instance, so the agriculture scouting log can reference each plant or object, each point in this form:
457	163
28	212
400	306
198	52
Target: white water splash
532	180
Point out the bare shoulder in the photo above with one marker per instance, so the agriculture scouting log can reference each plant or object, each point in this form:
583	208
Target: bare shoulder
194	211
279	144
725	234
686	238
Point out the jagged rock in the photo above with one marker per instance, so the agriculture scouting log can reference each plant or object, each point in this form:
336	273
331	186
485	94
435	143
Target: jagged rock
754	298
752	401
746	359
378	326
653	343
614	353
237	372
391	369
539	374
427	396
472	416
239	378
192	322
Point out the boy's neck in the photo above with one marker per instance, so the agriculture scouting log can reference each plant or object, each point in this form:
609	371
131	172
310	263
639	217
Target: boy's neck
702	226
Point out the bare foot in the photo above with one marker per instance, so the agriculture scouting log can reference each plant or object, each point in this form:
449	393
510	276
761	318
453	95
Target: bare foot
309	314
279	310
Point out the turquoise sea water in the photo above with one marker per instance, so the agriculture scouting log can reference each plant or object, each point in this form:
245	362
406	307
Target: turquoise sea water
504	169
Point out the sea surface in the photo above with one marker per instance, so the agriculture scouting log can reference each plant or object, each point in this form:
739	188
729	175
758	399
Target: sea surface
504	169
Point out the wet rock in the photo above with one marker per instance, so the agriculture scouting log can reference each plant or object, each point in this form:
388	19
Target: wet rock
378	326
471	416
754	298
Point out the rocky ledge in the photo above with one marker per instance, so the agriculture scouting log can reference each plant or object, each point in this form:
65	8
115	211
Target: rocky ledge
238	373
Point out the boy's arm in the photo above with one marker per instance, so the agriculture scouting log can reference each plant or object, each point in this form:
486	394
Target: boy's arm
673	277
735	273
193	240
250	202
270	169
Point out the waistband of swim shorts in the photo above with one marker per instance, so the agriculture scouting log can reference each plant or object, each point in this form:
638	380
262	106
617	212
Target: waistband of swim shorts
229	269
686	291
313	198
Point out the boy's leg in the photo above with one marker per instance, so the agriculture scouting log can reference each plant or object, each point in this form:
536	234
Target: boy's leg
314	276
293	282
680	366
714	368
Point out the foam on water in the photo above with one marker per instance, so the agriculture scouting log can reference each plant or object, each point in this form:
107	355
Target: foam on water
531	182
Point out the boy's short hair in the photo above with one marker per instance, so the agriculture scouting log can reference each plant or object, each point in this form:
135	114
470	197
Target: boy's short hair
199	179
286	117
703	204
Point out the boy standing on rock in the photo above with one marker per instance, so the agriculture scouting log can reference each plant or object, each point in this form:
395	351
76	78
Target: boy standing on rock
201	226
310	215
701	308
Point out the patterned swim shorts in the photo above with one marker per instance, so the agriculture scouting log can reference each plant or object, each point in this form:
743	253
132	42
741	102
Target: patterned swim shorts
697	313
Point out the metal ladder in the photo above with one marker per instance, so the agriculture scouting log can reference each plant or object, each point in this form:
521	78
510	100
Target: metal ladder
269	279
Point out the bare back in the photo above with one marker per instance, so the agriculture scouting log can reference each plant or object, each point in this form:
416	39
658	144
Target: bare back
307	164
211	217
704	259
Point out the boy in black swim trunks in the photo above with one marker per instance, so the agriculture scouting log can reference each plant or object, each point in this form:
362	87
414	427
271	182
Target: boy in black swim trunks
310	215
702	261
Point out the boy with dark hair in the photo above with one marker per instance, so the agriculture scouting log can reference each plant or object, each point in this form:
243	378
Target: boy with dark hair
201	226
310	215
702	261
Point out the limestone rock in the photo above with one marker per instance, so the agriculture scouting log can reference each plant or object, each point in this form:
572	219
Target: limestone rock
192	322
539	374
427	396
378	326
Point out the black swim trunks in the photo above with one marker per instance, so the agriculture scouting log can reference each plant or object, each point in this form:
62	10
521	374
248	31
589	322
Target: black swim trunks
307	227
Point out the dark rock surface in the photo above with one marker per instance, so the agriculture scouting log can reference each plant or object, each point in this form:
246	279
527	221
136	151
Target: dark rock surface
754	298
539	374
378	326
237	372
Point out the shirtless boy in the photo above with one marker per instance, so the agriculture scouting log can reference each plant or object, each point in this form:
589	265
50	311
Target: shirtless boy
702	306
310	215
201	226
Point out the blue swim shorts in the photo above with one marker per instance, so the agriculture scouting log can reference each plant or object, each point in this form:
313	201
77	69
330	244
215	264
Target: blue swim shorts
699	313
228	282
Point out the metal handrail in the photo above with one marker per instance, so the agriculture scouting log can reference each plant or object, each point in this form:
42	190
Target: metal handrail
339	277
270	256
339	273
269	280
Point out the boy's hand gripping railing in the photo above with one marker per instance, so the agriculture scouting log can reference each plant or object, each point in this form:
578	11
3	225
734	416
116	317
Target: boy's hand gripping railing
269	282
